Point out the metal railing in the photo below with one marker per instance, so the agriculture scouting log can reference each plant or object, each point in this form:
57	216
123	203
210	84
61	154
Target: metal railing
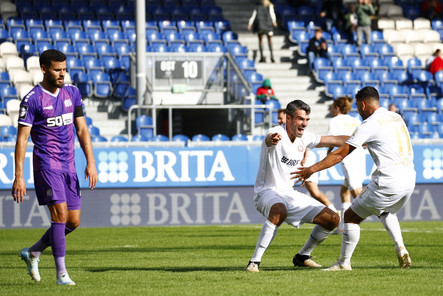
154	109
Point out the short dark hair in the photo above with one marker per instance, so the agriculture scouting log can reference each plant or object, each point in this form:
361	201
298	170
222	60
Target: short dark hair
367	93
296	105
51	55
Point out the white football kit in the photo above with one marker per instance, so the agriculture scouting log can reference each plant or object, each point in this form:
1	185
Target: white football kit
274	185
387	138
353	166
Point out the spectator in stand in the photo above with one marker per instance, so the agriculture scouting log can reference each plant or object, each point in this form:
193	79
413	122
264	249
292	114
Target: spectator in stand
432	9
263	21
364	10
437	63
318	47
351	21
431	59
265	92
332	11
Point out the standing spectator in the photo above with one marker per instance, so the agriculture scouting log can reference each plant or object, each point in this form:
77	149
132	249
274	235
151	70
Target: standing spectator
265	92
52	113
318	47
364	10
437	63
263	21
351	21
432	9
332	11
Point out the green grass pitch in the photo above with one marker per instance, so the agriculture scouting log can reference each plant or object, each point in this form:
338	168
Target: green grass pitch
210	260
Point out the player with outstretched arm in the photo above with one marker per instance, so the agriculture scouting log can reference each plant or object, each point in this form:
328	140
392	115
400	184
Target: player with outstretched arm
49	113
387	139
275	198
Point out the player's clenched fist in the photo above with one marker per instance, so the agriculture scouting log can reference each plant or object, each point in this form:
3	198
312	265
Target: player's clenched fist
272	139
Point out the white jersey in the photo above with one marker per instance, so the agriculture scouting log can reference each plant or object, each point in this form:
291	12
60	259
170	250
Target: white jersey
344	124
387	138
279	161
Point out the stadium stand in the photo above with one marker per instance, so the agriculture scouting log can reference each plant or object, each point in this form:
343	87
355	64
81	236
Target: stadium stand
98	37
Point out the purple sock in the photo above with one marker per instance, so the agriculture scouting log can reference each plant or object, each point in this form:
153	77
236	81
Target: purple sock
37	249
44	242
58	244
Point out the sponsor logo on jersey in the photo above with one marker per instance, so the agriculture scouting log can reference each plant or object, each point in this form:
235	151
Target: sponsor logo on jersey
23	112
60	120
300	148
290	162
68	103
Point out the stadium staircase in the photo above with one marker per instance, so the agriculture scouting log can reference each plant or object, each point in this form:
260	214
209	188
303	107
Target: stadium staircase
289	75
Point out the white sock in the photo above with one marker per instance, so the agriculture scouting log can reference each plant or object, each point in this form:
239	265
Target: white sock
351	236
331	206
392	226
317	236
265	238
345	206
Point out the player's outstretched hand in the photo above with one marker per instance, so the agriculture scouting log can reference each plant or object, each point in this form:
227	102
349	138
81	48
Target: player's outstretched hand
18	189
272	139
301	175
91	172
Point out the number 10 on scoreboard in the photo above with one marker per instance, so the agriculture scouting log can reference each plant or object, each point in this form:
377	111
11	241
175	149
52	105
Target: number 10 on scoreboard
178	69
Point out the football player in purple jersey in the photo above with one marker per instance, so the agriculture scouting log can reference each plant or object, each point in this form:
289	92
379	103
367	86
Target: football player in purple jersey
49	113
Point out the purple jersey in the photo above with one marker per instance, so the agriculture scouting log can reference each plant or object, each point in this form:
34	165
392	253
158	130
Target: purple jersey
51	117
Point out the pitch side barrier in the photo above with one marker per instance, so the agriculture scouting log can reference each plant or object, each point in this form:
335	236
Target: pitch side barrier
168	183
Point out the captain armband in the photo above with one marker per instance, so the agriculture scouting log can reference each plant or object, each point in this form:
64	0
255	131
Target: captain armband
78	111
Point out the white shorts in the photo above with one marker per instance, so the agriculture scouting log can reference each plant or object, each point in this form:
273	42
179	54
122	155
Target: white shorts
353	167
301	207
354	176
371	202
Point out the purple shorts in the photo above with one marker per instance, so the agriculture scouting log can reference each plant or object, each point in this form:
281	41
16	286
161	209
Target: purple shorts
54	187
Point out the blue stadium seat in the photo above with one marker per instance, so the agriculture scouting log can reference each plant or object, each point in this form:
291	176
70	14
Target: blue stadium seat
174	37
105	50
258	138
102	84
239	137
210	37
144	126
119	138
88	120
94	131
84	83
414	64
192	37
86	50
384	49
156	47
200	138
159	138
220	138
139	138
8	92
377	37
180	138
195	47
155	37
274	105
216	48
98	37
222	26
229	36
8	131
